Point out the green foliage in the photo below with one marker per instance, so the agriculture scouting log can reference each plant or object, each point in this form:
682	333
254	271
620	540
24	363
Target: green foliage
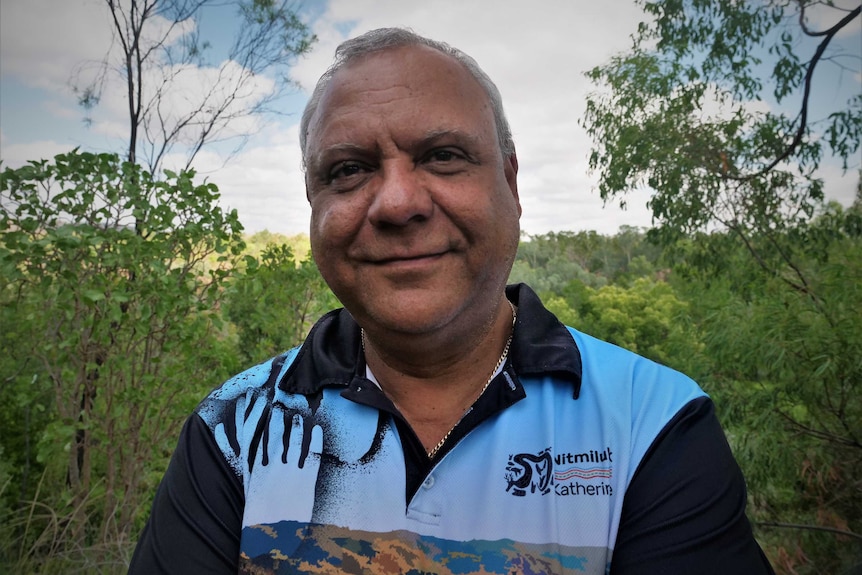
647	318
786	371
277	27
560	307
625	301
124	299
775	293
274	301
548	262
258	242
115	339
553	275
675	115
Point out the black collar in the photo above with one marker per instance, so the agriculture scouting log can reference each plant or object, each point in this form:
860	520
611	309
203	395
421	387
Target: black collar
332	352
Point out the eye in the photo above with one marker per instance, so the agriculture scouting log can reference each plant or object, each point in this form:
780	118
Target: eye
446	161
443	155
343	170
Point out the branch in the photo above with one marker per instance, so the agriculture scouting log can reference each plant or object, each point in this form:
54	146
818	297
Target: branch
803	285
812	33
809	75
809	527
756	255
820	434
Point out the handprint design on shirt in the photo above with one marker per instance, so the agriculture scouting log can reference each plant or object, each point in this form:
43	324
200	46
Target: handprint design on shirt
295	454
283	476
275	448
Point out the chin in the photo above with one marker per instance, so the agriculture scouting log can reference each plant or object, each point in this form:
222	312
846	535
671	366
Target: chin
408	313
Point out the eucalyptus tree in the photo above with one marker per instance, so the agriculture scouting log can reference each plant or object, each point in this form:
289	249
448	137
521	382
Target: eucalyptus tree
711	113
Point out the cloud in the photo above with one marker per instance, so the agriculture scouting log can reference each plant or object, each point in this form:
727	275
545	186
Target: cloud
186	91
264	184
536	54
43	41
66	47
837	185
17	155
62	110
537	58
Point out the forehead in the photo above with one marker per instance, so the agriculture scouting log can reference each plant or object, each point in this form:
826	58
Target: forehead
401	88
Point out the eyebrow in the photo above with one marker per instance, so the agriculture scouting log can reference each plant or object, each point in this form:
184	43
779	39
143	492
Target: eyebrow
318	158
433	136
430	138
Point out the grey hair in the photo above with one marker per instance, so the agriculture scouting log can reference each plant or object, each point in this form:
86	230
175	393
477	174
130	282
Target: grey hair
385	38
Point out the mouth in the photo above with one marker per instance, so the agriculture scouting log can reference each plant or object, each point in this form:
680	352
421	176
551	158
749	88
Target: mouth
408	259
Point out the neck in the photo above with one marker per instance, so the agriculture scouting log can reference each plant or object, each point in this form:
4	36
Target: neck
433	384
443	353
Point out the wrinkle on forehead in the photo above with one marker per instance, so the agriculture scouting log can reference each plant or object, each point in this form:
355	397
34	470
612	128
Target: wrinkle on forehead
358	84
429	137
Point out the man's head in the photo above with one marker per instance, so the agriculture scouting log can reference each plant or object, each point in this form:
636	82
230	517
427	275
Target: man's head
414	199
384	38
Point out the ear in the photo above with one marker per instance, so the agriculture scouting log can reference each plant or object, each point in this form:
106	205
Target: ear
510	169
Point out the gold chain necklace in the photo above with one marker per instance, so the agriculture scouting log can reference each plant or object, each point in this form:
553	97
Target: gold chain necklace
433	451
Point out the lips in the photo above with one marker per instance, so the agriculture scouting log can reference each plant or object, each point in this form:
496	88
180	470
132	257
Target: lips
407	258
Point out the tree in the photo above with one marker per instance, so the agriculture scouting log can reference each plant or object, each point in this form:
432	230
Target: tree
123	362
734	186
647	318
113	277
274	301
171	102
677	115
550	261
785	370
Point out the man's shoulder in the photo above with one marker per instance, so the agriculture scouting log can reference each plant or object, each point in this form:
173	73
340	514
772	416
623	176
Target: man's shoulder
261	379
326	358
612	364
640	395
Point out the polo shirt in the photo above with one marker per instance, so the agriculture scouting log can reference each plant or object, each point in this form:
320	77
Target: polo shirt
580	457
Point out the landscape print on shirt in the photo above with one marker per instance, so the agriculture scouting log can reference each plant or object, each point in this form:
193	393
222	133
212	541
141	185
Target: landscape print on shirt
293	547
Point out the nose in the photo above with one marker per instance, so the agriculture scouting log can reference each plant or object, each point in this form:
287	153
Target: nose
401	196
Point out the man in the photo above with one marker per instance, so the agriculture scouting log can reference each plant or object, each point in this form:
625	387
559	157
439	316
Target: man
441	422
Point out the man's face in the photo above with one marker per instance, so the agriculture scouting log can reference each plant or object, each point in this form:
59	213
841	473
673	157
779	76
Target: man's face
414	209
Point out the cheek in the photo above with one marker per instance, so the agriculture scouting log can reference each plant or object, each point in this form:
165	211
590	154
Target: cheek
316	230
334	224
324	246
503	221
322	240
327	220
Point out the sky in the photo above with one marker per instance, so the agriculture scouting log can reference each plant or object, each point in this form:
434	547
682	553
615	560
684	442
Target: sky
536	52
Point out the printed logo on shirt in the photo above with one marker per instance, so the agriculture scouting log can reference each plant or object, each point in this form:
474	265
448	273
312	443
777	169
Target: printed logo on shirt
565	473
527	471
